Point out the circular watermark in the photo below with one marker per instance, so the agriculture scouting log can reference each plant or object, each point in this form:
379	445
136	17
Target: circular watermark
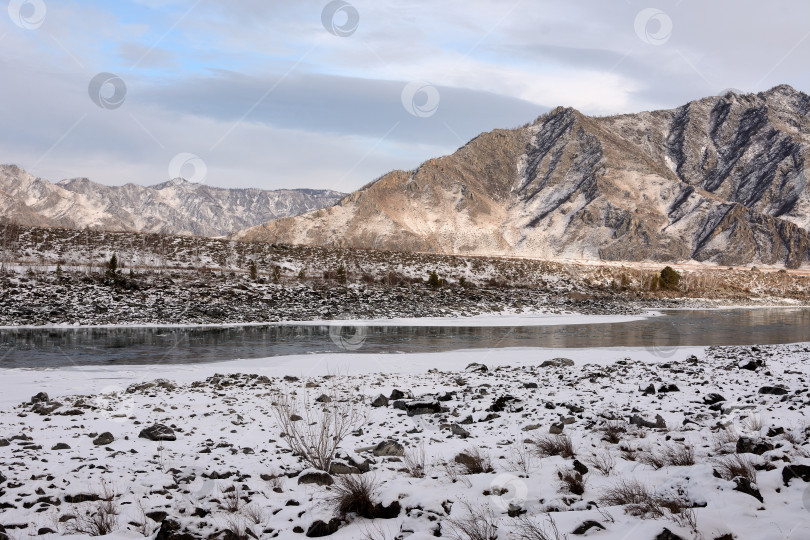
662	341
199	487
747	423
113	403
347	335
107	90
653	26
420	99
422	423
727	91
340	18
188	166
27	14
508	491
803	176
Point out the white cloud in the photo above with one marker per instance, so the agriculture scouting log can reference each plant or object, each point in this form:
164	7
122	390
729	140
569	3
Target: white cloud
495	63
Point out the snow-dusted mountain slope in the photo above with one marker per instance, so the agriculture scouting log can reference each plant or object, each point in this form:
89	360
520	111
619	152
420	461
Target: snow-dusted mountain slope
722	179
173	207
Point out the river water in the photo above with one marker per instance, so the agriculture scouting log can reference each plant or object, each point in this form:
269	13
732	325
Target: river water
53	347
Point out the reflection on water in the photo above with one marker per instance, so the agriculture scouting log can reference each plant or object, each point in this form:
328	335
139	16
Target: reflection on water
32	347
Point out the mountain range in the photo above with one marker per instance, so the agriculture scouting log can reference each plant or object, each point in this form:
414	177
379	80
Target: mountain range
173	207
721	179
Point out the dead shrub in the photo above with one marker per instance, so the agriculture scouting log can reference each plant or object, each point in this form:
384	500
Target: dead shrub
678	455
356	494
315	431
232	499
478	523
734	466
254	513
639	500
571	481
612	431
603	461
528	529
635	496
415	461
473	461
520	457
554	445
100	518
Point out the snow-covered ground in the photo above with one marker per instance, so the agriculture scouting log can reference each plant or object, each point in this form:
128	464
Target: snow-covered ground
508	318
230	469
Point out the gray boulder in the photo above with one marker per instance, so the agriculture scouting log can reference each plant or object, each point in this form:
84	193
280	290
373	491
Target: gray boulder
388	448
158	432
104	439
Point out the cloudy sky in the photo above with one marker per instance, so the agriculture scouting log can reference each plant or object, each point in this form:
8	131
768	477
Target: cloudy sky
313	93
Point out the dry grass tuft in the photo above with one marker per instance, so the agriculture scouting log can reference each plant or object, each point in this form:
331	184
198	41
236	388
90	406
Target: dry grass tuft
528	529
603	461
473	461
478	523
734	466
676	455
355	494
415	461
554	445
571	481
612	431
100	519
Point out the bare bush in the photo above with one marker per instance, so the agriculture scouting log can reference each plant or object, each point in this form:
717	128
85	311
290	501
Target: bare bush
415	461
554	445
724	437
99	519
238	527
635	496
528	529
753	422
612	431
520	457
478	523
678	455
254	513
734	466
232	499
453	473
473	461
355	494
687	518
603	461
315	431
144	525
571	481
639	500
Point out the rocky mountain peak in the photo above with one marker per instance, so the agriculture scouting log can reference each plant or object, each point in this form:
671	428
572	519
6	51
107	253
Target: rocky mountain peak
720	180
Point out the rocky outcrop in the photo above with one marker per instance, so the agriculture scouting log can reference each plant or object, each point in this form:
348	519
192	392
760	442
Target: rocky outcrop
720	180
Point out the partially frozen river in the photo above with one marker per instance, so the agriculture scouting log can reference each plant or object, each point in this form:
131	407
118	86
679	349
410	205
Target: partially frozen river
52	347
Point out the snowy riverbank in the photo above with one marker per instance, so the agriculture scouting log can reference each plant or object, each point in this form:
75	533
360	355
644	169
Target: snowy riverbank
229	468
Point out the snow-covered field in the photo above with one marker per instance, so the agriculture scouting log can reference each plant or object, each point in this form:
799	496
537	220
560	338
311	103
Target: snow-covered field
230	469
